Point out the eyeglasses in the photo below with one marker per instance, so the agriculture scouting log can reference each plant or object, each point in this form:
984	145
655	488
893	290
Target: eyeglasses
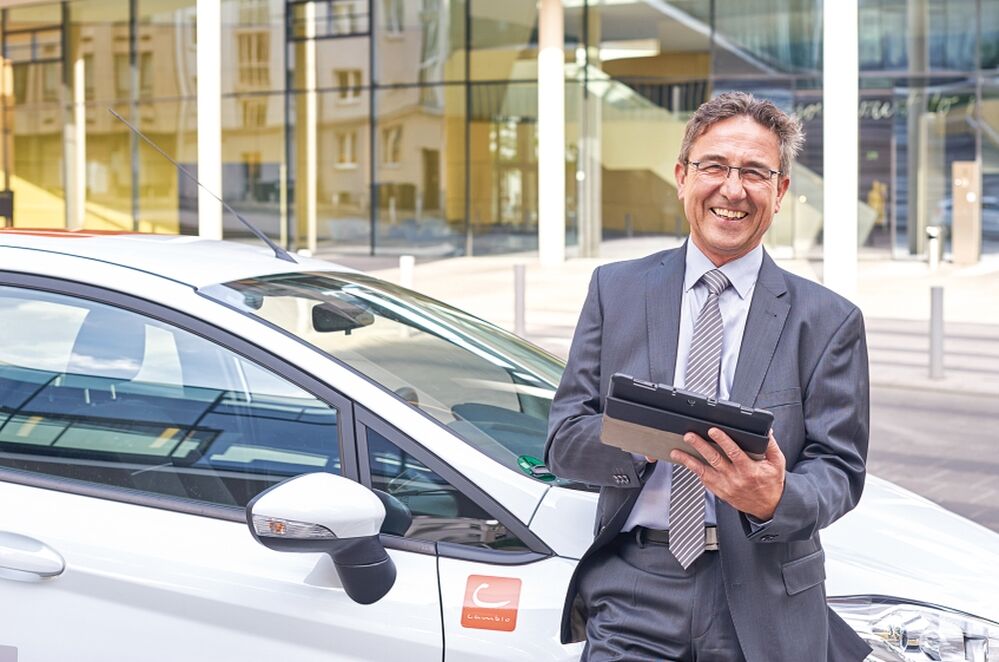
720	171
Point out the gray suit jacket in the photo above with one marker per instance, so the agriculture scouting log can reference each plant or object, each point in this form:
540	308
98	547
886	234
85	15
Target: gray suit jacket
803	357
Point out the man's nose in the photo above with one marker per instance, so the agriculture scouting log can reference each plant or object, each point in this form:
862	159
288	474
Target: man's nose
732	187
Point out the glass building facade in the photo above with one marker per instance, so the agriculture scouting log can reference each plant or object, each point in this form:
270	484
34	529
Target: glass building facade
410	126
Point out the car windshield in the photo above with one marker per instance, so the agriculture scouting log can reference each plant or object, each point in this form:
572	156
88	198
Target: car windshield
490	387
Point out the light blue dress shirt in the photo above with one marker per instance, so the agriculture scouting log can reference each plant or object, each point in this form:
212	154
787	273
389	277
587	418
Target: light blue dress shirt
652	508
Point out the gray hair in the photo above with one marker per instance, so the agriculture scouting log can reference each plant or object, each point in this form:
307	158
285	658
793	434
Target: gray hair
787	128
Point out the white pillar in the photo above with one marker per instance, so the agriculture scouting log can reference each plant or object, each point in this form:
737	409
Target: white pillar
76	149
551	134
209	26
590	190
590	194
310	123
840	133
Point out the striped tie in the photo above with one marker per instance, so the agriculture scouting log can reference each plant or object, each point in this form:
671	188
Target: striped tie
686	499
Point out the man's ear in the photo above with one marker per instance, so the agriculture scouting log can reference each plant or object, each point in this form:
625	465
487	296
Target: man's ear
680	173
782	187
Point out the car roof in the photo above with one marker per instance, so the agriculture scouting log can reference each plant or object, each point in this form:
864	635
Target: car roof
186	259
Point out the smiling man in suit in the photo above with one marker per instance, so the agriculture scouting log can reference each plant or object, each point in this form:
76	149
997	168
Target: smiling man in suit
717	560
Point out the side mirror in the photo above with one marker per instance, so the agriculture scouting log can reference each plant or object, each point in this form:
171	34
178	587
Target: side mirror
320	512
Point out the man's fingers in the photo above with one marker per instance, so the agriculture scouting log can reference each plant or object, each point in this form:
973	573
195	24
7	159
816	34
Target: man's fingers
707	451
731	449
773	453
689	461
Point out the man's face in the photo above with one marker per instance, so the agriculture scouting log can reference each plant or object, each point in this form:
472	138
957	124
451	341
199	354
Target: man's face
729	215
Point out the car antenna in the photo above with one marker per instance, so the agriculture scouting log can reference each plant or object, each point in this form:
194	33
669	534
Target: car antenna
279	252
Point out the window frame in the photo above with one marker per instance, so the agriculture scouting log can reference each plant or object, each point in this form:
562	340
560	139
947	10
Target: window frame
211	333
364	418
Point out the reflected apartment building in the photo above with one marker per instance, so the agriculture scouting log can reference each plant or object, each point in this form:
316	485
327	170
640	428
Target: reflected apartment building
411	126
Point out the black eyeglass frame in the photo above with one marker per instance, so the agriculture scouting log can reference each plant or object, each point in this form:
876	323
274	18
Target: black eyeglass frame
739	169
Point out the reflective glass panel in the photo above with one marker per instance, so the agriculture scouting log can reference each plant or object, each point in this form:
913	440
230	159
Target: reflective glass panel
420	156
504	40
503	168
99	47
253	116
756	37
989	25
343	174
649	67
330	18
420	41
990	165
931	132
35	152
878	154
920	35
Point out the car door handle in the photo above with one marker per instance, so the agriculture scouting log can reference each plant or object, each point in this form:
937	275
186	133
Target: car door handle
21	555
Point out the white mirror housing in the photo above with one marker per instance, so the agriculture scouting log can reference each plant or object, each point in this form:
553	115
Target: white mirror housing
321	512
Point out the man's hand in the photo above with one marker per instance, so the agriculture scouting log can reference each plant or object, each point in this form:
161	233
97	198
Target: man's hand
750	486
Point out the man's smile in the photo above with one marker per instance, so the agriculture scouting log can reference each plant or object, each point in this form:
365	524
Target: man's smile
729	214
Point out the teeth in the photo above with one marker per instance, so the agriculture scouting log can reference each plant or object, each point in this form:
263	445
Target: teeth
728	213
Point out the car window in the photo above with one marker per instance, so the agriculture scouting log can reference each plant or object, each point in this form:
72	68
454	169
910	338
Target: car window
421	504
492	389
105	395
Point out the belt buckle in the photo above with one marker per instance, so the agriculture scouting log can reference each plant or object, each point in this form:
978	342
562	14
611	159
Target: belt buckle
711	538
644	538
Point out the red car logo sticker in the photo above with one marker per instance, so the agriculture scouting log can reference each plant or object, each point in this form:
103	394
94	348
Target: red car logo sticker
491	603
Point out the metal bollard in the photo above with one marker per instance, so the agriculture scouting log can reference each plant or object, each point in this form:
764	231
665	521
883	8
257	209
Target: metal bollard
936	333
519	299
933	240
406	265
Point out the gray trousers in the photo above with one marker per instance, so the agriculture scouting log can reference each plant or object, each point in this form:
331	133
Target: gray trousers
641	605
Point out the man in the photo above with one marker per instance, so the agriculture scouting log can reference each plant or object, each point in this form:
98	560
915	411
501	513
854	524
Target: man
717	560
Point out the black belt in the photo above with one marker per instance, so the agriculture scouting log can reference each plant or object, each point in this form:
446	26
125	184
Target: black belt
645	536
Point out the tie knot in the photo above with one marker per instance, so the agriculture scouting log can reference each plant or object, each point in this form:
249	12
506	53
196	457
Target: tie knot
716	281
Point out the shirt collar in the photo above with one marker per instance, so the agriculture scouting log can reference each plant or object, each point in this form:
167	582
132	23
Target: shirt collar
741	273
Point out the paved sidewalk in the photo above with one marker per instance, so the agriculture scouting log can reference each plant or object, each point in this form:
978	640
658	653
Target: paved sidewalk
894	295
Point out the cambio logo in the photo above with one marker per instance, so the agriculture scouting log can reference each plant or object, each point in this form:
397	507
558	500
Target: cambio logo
491	603
479	602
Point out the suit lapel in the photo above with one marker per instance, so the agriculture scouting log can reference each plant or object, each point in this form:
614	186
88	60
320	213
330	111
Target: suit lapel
767	313
663	294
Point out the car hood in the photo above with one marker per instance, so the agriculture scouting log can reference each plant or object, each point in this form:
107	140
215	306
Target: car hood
895	543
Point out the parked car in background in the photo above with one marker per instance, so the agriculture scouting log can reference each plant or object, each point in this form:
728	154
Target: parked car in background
209	453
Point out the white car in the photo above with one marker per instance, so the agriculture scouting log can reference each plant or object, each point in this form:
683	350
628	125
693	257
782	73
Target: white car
210	453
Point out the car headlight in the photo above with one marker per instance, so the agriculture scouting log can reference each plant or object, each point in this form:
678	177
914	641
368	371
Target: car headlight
904	631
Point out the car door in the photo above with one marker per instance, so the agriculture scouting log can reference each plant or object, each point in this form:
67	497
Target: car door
502	588
131	437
